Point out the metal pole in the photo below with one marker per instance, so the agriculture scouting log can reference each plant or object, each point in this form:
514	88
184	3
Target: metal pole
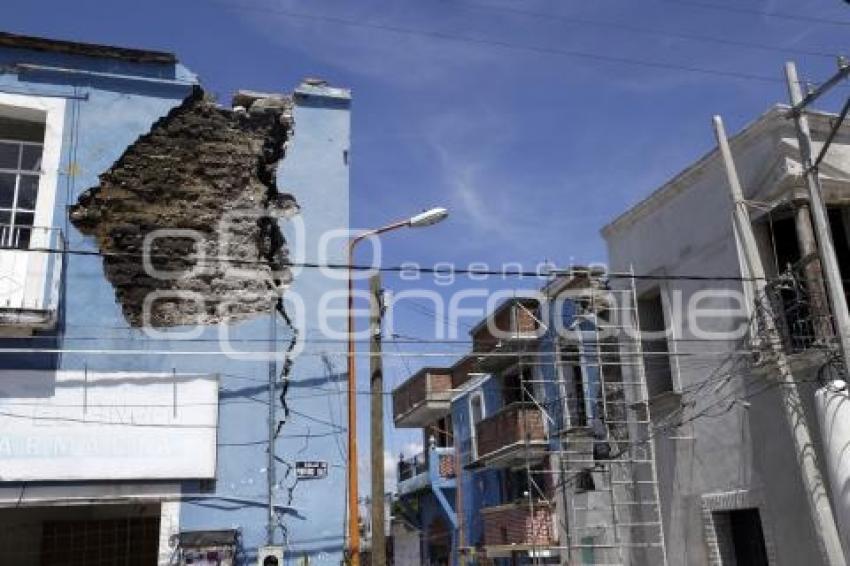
271	476
829	261
379	543
351	464
353	514
819	507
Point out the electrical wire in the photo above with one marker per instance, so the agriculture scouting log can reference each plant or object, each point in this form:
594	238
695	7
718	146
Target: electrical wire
407	269
738	9
507	45
451	354
573	20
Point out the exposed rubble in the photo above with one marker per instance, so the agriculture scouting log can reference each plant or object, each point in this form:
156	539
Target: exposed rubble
209	170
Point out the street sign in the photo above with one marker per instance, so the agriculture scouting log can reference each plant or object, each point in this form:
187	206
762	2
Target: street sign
311	470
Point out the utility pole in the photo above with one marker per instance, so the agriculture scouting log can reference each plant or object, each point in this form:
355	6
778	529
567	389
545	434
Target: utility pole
271	476
376	371
813	484
828	259
426	218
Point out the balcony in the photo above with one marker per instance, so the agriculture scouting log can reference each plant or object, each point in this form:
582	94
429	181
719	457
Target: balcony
510	329
519	527
512	436
30	276
415	473
423	398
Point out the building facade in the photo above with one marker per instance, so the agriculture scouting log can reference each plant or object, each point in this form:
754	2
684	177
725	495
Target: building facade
529	455
147	237
731	487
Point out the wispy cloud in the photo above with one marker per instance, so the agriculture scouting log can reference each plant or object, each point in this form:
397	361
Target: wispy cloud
384	42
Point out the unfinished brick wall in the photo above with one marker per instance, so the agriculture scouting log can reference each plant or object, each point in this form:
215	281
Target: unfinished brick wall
509	426
462	370
210	171
510	322
428	384
447	466
515	523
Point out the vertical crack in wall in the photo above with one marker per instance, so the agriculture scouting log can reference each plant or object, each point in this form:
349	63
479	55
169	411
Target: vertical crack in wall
287	364
208	173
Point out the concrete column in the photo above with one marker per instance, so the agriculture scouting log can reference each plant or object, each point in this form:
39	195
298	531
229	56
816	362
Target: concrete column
812	272
169	527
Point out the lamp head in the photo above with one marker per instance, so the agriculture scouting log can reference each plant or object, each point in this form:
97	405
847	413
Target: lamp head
428	217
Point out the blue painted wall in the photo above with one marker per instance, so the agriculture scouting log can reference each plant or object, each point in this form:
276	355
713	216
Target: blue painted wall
103	116
562	314
483	487
479	487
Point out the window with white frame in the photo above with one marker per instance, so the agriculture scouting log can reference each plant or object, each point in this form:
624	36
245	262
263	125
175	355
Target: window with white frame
31	134
21	148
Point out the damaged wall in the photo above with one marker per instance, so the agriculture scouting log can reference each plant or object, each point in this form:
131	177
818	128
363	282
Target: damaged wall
137	192
210	170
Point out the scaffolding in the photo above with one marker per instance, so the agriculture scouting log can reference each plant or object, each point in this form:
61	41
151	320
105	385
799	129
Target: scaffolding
599	480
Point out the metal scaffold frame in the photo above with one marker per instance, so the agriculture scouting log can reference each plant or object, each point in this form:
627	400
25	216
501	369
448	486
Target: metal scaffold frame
600	463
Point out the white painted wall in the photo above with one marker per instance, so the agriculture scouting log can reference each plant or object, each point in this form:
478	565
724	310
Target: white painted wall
73	425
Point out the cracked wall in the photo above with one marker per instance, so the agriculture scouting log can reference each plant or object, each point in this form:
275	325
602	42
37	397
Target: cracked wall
209	170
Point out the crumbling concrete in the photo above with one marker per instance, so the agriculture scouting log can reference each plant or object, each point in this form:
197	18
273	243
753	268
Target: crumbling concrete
210	171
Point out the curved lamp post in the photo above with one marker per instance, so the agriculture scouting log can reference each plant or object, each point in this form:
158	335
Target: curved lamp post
426	218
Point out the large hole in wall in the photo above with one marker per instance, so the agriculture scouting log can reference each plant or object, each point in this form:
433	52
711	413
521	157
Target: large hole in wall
200	189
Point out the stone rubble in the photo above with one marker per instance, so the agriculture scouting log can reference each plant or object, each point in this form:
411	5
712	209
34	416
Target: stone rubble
212	172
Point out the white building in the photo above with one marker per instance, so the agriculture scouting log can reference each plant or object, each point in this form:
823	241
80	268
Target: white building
731	489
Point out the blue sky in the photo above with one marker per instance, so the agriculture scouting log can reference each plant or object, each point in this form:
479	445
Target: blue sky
532	127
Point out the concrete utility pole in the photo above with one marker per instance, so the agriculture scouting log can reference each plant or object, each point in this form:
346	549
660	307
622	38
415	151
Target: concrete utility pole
828	259
813	484
376	370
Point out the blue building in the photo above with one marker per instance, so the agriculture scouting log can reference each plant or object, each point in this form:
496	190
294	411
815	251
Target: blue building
147	235
533	422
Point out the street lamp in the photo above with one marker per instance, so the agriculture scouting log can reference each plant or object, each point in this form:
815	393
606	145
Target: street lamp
426	218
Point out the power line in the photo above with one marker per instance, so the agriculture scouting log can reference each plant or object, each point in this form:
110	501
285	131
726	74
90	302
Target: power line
395	339
738	9
431	34
237	354
408	269
655	32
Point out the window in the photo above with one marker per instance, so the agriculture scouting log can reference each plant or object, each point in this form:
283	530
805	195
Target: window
520	484
740	538
572	378
31	133
795	322
476	415
441	432
21	147
839	223
511	388
514	384
659	374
